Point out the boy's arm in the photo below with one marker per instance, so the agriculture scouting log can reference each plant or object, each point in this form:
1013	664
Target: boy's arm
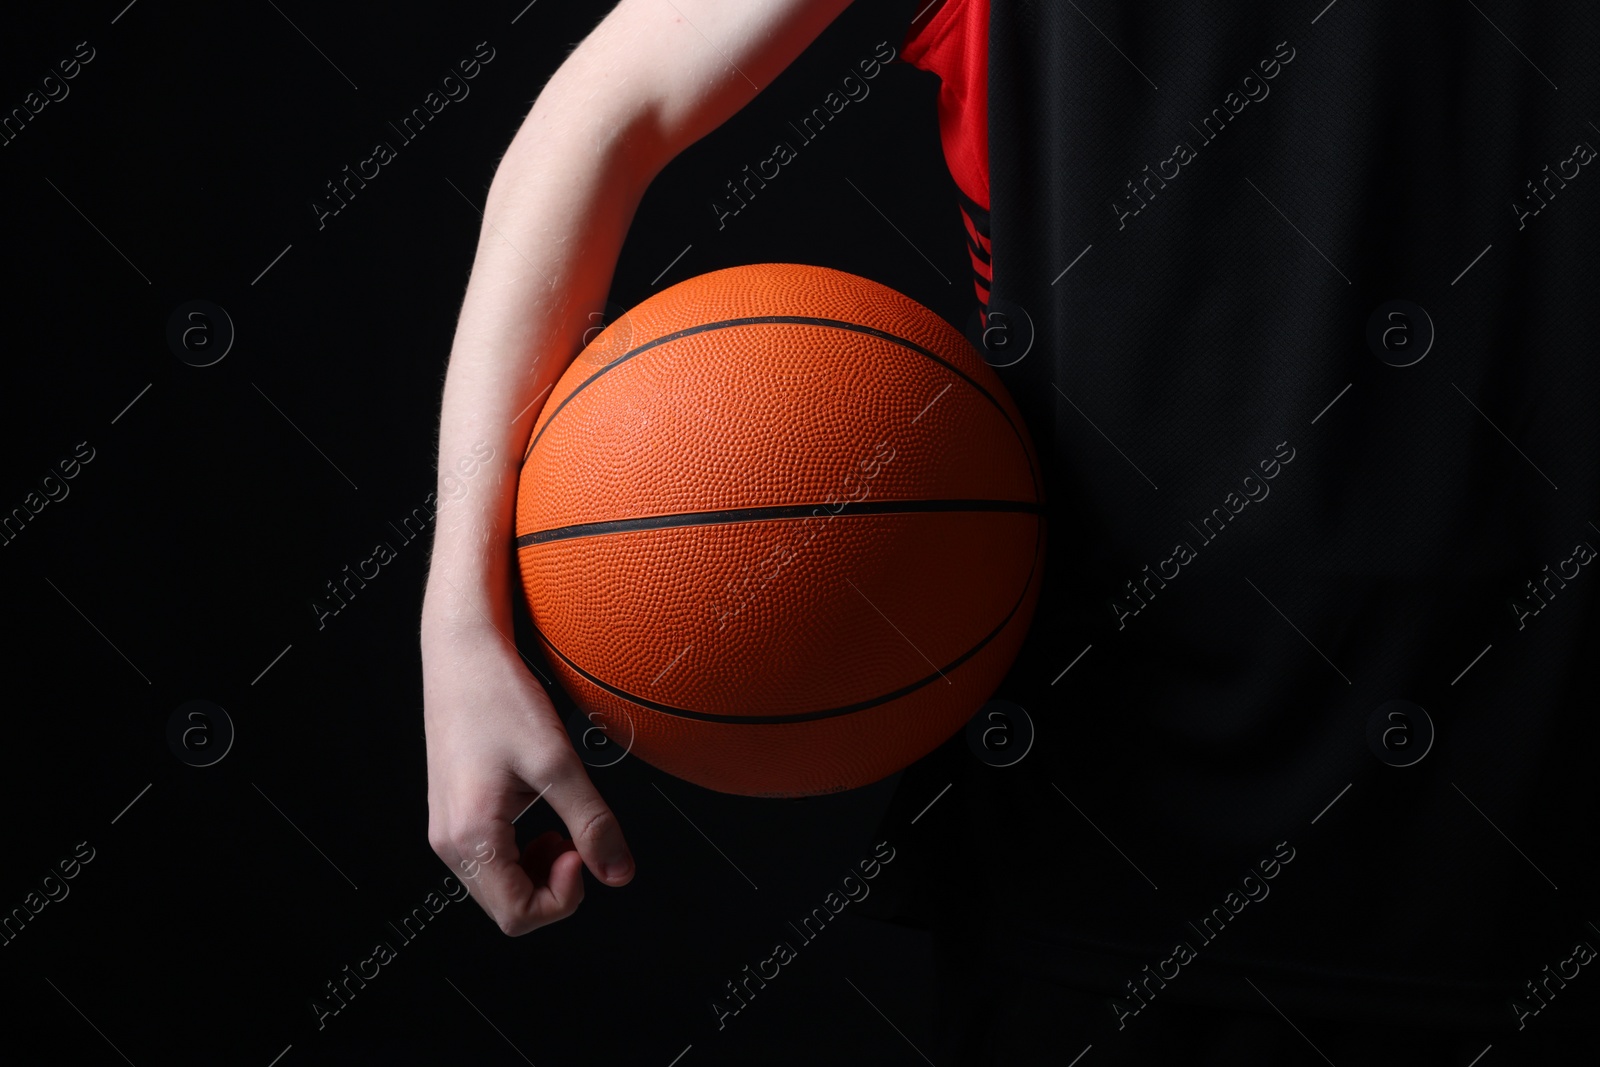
652	78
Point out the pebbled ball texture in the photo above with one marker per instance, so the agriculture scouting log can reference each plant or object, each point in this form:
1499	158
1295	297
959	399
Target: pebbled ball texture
785	556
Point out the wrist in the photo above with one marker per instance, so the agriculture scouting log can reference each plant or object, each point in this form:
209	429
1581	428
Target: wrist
456	611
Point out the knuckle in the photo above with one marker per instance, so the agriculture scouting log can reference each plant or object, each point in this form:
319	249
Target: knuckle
459	837
466	830
568	907
595	823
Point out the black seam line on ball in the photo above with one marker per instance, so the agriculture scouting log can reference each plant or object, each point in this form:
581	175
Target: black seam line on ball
829	713
767	513
800	320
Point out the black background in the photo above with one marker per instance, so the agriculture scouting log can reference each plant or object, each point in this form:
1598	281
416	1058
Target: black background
185	557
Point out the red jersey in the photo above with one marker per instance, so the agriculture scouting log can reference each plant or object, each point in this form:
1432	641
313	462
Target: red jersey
950	38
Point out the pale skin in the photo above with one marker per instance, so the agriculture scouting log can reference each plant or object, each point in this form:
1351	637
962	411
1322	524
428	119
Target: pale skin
651	79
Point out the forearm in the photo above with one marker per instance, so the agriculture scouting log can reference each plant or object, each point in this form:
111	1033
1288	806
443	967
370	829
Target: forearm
647	82
556	215
643	86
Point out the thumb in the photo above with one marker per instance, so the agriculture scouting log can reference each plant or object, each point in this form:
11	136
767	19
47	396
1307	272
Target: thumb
590	822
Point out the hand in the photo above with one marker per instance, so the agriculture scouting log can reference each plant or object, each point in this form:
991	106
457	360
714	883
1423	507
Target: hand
495	743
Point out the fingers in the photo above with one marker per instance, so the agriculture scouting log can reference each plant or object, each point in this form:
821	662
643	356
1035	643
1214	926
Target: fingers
543	850
471	829
594	829
521	890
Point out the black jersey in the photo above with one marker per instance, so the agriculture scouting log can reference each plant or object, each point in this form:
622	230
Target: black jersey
1300	306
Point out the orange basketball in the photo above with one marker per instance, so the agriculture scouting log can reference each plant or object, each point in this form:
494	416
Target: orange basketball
780	530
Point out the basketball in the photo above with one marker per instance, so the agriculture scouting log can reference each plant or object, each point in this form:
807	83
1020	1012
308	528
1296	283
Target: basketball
780	530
